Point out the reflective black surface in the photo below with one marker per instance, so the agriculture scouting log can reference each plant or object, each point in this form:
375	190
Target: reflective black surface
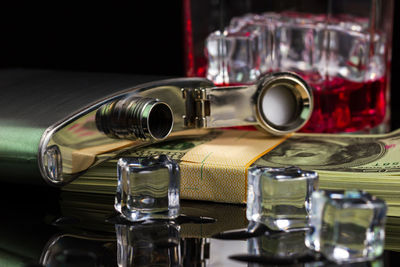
45	227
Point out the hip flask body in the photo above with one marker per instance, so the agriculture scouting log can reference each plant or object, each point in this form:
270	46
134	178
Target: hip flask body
56	125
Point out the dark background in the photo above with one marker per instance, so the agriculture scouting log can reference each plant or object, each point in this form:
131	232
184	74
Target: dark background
123	36
141	37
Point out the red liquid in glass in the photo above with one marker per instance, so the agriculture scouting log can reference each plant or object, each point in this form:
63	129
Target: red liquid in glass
344	106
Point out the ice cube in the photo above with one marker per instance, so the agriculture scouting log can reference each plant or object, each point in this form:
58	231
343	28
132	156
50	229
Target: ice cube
148	188
347	226
280	197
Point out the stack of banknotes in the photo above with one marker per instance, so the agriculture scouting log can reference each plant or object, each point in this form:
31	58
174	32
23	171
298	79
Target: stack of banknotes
366	162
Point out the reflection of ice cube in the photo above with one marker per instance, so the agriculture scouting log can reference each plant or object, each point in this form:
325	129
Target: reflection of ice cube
154	243
287	244
347	225
280	197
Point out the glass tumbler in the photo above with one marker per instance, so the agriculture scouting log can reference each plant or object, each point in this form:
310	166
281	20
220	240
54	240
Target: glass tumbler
342	48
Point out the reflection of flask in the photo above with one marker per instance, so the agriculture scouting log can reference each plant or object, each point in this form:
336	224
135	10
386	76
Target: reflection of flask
151	243
79	250
28	240
195	251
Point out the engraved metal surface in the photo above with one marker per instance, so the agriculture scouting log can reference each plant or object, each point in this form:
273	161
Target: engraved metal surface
69	138
82	145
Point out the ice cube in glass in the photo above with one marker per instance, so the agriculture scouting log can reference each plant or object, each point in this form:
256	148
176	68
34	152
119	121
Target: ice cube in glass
148	188
347	226
280	197
234	56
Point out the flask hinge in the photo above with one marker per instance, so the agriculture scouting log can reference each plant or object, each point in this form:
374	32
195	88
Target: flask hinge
197	107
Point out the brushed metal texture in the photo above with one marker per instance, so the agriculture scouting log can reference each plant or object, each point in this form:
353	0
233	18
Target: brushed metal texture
33	100
40	98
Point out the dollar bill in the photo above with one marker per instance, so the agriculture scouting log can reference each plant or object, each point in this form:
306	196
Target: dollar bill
339	153
102	178
366	162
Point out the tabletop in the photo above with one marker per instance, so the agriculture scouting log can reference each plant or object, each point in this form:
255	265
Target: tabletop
42	226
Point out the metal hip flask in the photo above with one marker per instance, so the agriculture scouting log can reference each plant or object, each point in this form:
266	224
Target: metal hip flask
57	125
